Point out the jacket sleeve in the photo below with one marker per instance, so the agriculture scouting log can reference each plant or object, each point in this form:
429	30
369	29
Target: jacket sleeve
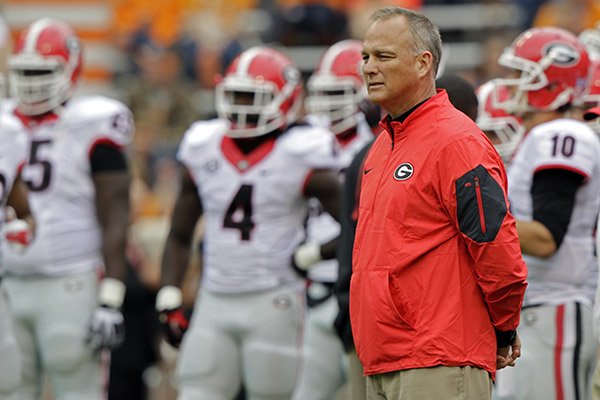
473	188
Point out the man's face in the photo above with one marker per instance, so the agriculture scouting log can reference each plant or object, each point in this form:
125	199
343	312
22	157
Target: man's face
390	65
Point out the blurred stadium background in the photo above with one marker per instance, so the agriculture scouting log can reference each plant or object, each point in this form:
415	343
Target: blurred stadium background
163	58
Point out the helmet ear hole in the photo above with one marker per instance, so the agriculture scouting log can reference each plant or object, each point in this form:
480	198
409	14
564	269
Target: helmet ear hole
45	66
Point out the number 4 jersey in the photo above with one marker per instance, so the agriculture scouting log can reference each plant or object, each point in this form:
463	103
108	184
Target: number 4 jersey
61	189
254	205
569	274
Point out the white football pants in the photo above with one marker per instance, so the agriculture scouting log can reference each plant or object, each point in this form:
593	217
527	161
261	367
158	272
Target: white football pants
558	355
254	338
51	316
324	365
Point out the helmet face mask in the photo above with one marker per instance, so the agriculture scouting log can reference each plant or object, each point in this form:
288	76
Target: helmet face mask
504	130
336	88
591	40
45	66
591	97
552	65
260	93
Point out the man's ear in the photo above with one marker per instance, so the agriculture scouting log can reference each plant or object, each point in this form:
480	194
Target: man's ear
424	63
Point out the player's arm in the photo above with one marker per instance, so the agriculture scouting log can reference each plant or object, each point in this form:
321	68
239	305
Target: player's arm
553	195
111	181
176	257
186	213
325	186
110	177
19	227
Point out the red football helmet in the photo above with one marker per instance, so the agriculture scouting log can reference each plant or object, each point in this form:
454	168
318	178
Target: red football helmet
553	66
591	96
504	130
337	86
45	66
261	92
591	40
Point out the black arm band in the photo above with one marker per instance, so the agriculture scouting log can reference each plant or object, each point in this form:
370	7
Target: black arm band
505	338
553	195
106	157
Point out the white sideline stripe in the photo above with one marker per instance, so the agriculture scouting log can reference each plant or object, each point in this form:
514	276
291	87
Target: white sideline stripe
94	16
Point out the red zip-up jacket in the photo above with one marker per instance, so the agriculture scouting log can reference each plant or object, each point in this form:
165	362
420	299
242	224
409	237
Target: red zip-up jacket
437	264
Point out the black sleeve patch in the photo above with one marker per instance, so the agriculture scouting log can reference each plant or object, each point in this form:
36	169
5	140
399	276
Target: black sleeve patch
481	206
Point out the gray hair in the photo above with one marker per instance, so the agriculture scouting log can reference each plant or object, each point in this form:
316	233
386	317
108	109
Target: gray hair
425	33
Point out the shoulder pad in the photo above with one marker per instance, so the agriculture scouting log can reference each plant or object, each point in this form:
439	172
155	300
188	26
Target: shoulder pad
316	147
104	117
303	139
92	108
567	142
8	119
199	134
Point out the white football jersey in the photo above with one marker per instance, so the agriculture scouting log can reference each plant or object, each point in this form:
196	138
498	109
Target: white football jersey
13	155
321	227
569	274
254	206
61	189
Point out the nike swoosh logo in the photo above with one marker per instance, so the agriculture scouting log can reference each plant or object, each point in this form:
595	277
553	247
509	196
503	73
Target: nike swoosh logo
366	171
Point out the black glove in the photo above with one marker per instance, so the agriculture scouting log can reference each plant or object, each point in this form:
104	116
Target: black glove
174	324
174	319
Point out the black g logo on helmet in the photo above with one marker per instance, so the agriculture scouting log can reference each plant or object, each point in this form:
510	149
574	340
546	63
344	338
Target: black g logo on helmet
561	53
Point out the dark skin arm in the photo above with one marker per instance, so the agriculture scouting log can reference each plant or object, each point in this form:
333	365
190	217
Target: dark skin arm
112	207
17	199
325	186
187	211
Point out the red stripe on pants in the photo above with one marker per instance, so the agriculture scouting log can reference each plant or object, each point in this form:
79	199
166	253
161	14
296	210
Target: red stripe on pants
560	316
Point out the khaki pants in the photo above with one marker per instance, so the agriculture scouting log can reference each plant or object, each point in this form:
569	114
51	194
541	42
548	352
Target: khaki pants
435	383
596	382
358	383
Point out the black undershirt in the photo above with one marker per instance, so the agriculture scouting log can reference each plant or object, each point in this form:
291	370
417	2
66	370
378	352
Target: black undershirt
553	194
402	117
106	157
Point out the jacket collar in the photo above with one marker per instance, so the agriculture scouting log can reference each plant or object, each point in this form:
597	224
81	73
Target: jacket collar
415	115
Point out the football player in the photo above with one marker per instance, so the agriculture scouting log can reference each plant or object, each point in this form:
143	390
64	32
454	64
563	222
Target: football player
18	228
504	130
585	107
250	174
67	287
336	93
554	192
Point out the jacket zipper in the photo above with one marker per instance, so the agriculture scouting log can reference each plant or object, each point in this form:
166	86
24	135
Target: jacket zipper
480	205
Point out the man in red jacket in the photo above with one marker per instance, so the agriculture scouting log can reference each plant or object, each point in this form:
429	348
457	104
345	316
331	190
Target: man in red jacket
438	278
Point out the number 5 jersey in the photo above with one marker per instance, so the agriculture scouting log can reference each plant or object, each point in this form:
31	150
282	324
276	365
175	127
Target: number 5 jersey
61	188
